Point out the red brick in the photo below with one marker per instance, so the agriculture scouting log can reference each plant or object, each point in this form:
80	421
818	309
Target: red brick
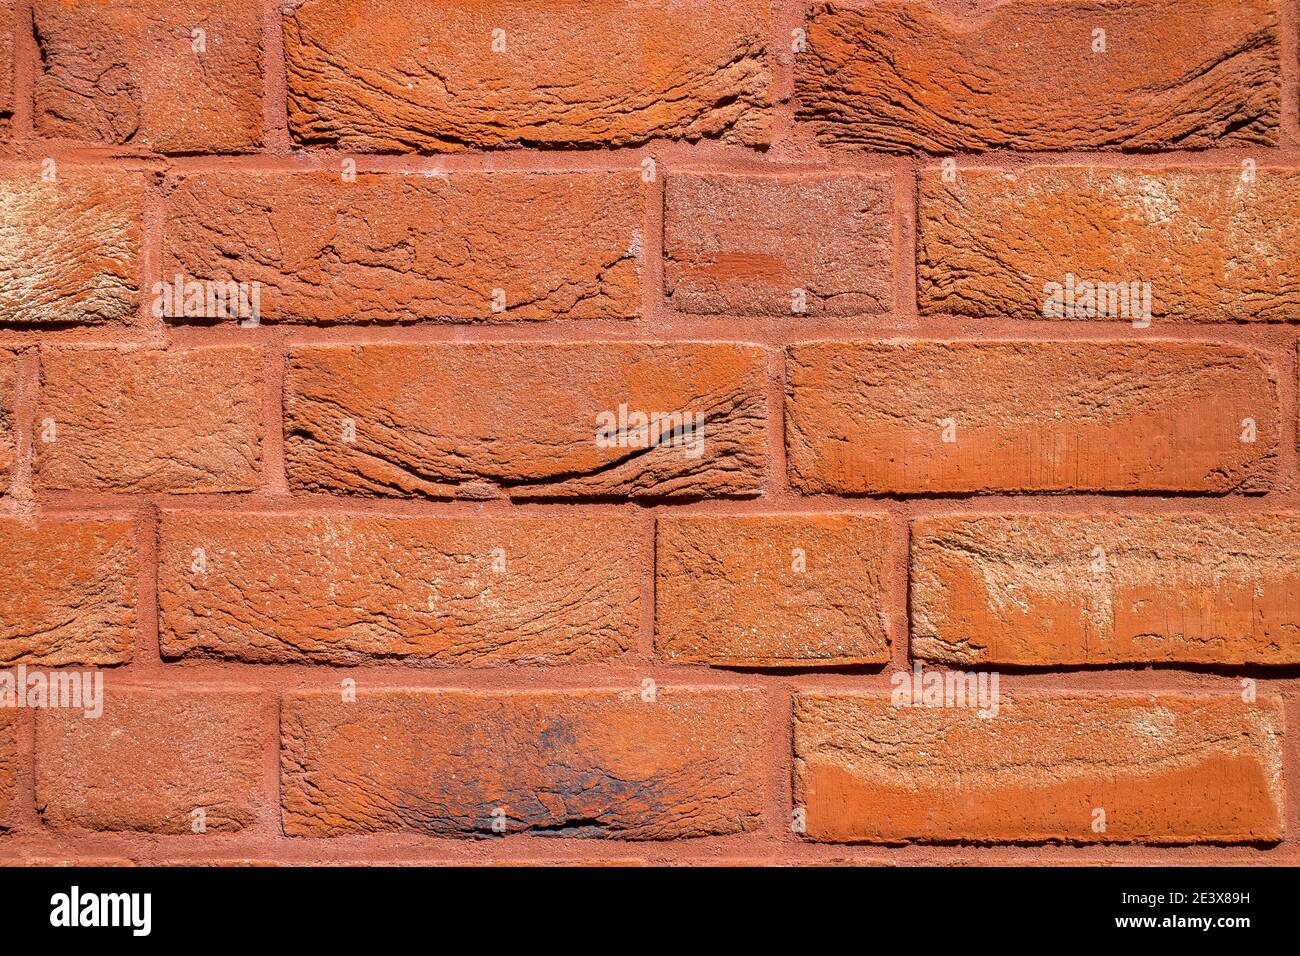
744	244
529	426
69	249
151	760
872	417
577	763
557	246
127	72
6	62
8	767
146	421
385	75
71	593
1034	590
1163	768
8	396
1024	75
772	590
443	591
1212	245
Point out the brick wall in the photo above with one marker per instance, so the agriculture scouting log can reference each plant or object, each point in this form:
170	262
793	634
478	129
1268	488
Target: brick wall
379	577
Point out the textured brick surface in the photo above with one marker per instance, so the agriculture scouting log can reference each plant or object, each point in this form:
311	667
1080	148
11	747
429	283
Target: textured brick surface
137	72
531	430
8	767
875	417
583	764
772	591
752	244
151	760
356	590
1045	590
8	395
70	597
178	421
384	75
1214	245
6	61
1029	75
69	249
1163	768
372	256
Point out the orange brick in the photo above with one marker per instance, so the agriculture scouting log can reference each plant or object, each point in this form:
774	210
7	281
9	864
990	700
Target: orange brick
70	596
772	590
1175	74
8	396
383	75
151	760
577	763
144	421
1162	768
136	72
6	62
954	417
1044	590
1187	244
8	767
759	244
507	247
530	427
441	591
69	249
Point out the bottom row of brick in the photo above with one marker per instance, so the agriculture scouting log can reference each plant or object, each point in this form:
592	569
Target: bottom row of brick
666	763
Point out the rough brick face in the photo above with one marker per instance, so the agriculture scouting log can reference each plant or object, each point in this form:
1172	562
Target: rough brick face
1163	768
751	244
1030	76
8	766
142	421
532	429
373	256
1214	245
70	591
582	764
151	759
8	394
136	72
923	417
384	75
69	249
1050	590
6	62
356	590
772	590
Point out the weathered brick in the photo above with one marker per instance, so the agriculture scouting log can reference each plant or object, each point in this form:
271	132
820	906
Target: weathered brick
1042	590
136	72
6	62
385	75
69	249
529	426
752	244
875	417
577	763
772	590
1163	768
8	766
556	246
8	396
1028	75
70	591
151	760
1212	244
354	590
138	421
